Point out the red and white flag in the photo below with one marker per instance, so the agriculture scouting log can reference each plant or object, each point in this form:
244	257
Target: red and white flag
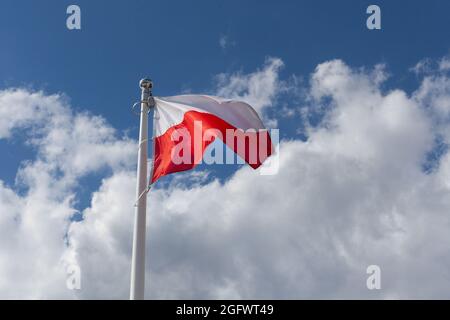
185	125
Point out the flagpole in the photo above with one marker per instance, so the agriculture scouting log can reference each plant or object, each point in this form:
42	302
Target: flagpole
138	258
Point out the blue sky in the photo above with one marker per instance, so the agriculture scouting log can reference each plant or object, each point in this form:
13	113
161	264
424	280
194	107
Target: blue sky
379	181
176	43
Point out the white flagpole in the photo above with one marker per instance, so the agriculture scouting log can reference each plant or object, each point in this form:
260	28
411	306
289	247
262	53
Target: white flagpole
138	258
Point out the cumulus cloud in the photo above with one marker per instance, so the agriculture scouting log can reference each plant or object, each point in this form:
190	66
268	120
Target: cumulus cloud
429	66
423	66
257	88
35	217
444	63
261	89
353	194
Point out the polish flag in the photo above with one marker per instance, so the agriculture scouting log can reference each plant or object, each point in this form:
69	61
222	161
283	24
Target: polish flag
189	123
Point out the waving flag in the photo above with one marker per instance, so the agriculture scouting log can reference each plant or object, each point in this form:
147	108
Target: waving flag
185	125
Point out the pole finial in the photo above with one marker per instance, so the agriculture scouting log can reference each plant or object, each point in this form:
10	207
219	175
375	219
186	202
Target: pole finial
146	84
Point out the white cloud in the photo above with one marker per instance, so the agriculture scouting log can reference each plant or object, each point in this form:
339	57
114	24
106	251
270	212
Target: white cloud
258	88
225	42
444	63
353	195
433	94
423	66
34	225
261	89
429	66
